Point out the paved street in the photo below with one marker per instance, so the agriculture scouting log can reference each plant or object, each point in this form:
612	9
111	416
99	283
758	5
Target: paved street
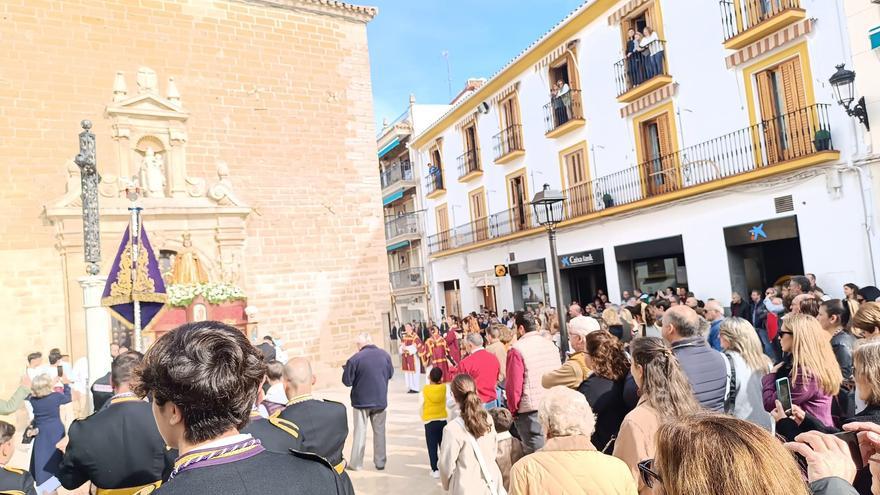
407	470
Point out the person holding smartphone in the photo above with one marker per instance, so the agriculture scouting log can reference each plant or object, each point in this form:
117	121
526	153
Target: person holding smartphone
810	366
866	360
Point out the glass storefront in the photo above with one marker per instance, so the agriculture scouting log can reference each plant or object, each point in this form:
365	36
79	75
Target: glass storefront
530	285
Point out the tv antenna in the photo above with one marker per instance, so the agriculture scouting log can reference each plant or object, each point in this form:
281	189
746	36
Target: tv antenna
445	54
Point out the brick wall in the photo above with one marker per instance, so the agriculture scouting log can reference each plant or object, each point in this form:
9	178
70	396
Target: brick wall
281	94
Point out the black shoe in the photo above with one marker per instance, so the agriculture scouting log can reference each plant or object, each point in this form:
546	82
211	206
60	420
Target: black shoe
411	392
380	468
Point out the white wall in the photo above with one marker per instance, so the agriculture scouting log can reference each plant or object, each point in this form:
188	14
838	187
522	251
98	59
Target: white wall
711	102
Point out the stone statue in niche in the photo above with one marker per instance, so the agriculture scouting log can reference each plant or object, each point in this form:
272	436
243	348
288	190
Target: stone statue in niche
152	174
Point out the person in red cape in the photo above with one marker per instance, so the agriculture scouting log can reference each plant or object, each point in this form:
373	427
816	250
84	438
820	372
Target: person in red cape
410	362
451	338
435	353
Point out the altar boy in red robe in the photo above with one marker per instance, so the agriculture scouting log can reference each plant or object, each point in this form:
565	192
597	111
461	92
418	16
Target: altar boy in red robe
409	359
435	353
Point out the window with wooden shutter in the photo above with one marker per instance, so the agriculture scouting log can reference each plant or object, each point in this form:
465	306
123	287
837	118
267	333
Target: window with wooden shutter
660	168
579	195
479	214
795	122
769	122
443	226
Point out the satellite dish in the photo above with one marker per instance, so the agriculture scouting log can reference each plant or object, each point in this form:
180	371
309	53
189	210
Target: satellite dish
483	108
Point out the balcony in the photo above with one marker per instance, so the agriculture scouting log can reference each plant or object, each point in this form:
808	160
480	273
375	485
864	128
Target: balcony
563	114
398	174
402	230
509	144
469	165
409	278
783	144
434	186
642	72
495	226
747	21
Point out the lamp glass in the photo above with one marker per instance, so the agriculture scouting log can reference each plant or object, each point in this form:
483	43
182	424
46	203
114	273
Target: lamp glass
548	206
842	83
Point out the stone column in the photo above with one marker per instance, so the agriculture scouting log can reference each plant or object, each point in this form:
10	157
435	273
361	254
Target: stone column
97	327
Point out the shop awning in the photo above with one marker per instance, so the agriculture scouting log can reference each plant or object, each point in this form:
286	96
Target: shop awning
388	147
398	245
392	197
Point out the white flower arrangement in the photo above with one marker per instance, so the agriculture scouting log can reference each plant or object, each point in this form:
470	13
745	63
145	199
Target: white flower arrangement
215	293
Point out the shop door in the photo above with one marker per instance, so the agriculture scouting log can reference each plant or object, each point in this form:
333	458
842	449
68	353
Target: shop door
489	298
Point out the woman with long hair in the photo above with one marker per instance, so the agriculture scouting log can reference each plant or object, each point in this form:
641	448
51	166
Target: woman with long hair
713	453
850	298
604	388
665	395
834	318
810	366
460	470
743	347
612	319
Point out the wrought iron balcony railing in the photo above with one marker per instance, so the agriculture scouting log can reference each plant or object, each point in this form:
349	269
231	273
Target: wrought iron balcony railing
563	109
738	16
469	162
406	224
640	66
508	140
408	278
772	142
397	172
434	181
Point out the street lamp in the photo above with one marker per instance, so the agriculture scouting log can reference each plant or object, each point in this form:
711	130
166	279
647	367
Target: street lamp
548	211
844	89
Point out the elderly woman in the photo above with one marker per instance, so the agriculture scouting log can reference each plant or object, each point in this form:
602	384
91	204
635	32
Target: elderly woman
569	463
574	371
45	457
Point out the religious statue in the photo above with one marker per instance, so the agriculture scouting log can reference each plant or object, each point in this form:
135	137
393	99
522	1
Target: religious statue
152	175
188	268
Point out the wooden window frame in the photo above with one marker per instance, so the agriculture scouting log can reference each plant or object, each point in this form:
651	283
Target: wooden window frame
565	178
522	172
481	224
668	109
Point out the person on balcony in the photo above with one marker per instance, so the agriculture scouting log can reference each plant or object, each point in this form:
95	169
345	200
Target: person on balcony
654	52
639	59
631	53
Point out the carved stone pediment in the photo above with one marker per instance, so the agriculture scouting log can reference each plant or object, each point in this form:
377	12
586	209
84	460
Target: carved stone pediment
147	106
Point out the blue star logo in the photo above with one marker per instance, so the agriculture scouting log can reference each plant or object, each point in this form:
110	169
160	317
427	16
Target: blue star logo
757	231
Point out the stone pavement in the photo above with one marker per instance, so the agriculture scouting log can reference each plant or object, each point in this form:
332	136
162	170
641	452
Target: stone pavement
407	469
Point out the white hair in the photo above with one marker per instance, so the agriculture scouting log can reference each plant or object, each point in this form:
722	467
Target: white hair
582	325
364	339
475	339
565	412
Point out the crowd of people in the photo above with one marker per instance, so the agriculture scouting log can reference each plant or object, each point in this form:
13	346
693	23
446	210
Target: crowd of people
664	393
786	380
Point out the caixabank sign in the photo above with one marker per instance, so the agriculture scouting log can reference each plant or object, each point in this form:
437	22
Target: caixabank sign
583	258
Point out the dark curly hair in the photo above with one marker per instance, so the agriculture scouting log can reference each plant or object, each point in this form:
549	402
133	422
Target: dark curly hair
609	358
208	370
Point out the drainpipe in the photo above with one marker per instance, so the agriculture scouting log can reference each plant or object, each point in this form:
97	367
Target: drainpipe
867	209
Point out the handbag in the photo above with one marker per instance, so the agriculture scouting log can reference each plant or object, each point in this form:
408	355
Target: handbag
30	432
495	486
730	400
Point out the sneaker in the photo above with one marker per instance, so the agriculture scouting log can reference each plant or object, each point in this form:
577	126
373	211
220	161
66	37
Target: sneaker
435	475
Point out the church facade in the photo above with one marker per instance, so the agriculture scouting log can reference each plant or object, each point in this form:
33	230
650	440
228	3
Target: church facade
248	127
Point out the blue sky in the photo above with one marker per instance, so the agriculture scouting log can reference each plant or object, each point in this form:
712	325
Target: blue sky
408	37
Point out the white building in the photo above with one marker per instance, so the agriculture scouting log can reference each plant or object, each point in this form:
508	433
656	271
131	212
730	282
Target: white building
714	158
404	214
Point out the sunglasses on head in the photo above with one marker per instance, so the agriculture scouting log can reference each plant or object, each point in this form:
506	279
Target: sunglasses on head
649	476
786	332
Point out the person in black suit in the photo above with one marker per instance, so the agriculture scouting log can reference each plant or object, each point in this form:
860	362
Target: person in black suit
268	349
102	391
307	423
203	379
118	447
12	480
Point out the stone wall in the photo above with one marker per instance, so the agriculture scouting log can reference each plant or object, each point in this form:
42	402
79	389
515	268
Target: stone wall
279	90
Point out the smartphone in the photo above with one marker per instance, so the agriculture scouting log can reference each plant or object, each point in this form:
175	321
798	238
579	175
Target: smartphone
60	370
783	393
852	441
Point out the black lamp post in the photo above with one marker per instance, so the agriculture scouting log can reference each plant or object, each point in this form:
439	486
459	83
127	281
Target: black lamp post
844	89
548	211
